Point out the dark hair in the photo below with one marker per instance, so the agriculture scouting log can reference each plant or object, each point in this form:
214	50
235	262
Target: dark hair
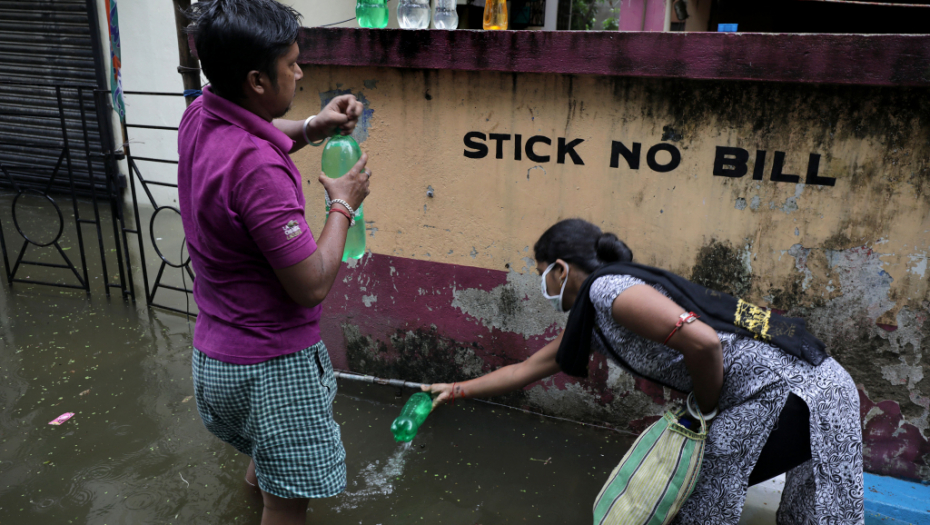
581	243
234	37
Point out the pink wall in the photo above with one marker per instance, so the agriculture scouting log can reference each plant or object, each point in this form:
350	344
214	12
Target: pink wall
642	15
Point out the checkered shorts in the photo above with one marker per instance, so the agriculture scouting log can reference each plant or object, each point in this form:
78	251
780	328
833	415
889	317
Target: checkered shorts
280	413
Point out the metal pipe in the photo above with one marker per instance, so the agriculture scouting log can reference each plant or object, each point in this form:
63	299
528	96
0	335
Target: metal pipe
189	66
351	376
377	380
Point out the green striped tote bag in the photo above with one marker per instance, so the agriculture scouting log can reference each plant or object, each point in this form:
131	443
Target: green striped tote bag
655	477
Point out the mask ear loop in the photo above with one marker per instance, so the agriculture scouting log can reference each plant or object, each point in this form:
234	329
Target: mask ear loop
545	290
562	290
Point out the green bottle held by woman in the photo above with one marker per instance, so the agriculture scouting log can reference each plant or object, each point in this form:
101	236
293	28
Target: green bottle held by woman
413	415
339	156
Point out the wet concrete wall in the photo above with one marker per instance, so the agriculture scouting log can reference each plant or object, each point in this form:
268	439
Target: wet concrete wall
809	199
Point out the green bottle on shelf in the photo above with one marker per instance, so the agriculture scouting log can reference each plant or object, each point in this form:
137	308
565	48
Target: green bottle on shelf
339	156
372	13
411	417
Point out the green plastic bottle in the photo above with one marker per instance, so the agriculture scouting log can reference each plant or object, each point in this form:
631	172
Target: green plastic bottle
411	417
372	13
339	156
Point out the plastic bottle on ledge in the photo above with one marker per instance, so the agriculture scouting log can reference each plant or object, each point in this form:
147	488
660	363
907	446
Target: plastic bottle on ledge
495	14
372	13
413	415
446	16
413	14
339	156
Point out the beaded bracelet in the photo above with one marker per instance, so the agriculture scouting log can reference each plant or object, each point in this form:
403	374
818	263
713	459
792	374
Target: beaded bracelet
344	203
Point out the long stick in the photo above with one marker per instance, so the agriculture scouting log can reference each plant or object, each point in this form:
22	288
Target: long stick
377	380
398	383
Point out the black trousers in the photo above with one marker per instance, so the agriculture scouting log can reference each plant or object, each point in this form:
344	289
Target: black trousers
789	444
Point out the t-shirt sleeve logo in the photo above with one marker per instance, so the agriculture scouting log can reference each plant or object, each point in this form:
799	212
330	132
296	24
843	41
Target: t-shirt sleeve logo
292	229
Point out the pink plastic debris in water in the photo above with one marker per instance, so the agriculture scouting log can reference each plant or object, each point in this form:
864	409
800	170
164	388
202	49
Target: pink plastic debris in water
62	418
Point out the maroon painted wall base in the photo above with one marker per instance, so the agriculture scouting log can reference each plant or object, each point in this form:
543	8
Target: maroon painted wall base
881	60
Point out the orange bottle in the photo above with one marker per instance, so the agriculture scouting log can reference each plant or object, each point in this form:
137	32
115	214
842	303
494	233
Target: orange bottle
495	14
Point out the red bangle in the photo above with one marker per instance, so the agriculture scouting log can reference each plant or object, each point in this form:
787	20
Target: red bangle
686	318
342	212
453	394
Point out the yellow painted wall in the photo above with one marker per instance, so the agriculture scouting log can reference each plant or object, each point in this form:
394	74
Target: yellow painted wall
487	212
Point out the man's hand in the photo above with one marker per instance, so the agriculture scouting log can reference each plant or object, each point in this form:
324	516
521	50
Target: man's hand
351	187
341	114
309	281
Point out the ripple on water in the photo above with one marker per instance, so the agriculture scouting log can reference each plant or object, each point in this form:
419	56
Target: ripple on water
168	446
97	472
140	500
120	430
79	495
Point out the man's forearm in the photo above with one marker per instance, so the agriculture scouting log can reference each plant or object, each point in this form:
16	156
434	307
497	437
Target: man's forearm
294	130
330	247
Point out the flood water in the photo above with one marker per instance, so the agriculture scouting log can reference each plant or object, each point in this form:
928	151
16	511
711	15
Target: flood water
136	451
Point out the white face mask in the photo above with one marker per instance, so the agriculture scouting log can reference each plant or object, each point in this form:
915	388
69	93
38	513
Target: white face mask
555	300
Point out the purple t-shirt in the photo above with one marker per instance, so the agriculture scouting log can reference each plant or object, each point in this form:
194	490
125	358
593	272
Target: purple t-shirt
243	213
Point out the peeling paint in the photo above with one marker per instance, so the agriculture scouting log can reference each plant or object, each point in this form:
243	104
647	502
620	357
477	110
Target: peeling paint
903	374
863	280
517	306
791	204
919	262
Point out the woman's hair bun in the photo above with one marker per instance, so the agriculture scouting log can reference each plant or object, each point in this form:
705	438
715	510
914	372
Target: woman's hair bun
611	249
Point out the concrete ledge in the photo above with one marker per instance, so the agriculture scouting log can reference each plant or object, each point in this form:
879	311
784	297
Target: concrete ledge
878	60
890	500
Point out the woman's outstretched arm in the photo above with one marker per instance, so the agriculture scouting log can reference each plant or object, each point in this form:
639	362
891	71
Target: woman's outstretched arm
506	379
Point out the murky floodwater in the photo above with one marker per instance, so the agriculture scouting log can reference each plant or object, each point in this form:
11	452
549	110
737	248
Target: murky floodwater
137	453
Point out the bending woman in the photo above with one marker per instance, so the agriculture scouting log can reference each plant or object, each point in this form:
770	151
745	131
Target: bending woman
783	405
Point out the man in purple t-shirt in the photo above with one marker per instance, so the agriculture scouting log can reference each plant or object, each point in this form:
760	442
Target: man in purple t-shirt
263	380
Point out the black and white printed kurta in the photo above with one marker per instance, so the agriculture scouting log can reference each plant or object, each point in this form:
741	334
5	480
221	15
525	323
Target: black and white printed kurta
758	377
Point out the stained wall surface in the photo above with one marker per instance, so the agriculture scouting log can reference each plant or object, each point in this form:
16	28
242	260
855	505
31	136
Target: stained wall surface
808	199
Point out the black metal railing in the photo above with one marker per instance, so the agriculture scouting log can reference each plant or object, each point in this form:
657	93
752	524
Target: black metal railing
158	208
47	184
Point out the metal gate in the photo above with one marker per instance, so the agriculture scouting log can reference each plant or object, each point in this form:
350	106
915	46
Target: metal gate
72	150
57	147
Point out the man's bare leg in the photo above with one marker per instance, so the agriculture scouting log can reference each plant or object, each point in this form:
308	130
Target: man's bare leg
281	511
250	489
250	477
